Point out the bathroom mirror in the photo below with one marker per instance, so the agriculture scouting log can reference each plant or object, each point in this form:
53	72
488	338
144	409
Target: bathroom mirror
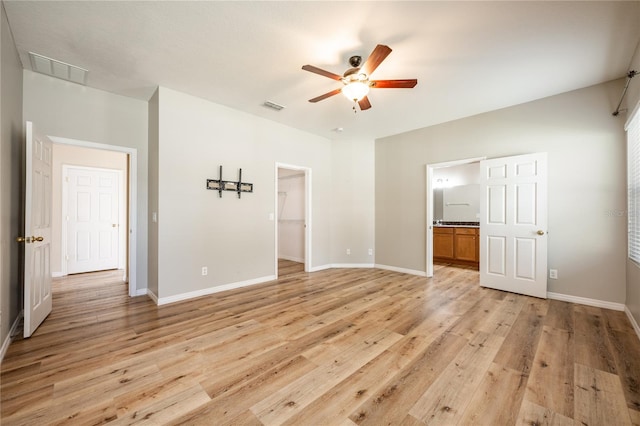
457	203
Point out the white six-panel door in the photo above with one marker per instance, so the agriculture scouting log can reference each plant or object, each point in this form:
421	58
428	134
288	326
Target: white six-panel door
513	224
37	240
92	216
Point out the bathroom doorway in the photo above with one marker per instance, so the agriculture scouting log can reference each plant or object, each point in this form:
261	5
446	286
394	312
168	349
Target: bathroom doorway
461	209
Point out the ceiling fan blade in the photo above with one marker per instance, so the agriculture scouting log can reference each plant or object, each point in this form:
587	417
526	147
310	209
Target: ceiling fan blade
322	72
377	56
364	103
394	84
325	96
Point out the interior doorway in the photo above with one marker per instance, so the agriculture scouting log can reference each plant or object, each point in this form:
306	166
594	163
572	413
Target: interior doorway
127	222
292	217
435	199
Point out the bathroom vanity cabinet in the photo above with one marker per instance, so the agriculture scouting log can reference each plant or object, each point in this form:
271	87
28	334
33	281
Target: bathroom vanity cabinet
457	245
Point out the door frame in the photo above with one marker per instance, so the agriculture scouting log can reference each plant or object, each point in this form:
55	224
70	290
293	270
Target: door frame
130	274
429	204
307	213
64	238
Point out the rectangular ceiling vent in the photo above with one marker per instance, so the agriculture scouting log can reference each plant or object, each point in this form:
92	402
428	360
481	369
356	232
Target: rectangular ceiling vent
273	105
58	69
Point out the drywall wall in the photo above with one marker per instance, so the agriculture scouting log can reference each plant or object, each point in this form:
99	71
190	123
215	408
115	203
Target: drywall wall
586	151
352	202
76	156
462	174
234	238
291	215
68	110
11	186
633	269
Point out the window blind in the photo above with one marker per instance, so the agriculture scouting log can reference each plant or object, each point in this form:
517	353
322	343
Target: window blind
633	185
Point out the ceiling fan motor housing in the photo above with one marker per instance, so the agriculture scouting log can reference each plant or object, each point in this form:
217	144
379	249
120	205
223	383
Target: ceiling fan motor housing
355	61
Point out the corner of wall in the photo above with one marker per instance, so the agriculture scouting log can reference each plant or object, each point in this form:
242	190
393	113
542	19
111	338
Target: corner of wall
11	182
153	161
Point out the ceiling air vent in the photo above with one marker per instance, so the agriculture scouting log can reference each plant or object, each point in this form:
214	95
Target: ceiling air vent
273	105
58	69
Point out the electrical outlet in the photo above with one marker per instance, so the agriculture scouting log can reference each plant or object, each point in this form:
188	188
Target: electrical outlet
349	251
553	274
370	252
205	271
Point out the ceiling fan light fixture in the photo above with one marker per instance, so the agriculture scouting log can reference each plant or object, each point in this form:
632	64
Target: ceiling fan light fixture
355	90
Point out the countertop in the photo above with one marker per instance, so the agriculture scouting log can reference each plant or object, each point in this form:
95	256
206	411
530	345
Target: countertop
445	224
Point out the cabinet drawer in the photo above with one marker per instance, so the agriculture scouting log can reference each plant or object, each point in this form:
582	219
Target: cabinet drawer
441	230
466	231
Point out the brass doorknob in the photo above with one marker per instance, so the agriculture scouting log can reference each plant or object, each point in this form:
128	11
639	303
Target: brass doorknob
29	239
540	232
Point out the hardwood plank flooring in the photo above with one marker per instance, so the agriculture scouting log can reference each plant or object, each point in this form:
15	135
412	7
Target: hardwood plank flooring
335	347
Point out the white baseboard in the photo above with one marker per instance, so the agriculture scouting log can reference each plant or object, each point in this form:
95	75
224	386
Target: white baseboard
141	292
57	274
291	258
211	290
634	323
586	301
8	339
152	296
352	265
402	270
319	268
341	265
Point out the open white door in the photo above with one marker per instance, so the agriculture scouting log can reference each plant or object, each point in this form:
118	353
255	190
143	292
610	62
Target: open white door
37	239
513	224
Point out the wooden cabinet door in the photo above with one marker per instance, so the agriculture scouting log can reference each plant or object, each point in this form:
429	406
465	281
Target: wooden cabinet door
465	244
443	243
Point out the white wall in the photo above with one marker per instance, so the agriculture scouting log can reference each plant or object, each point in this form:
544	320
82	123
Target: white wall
633	270
352	202
76	156
586	151
462	174
291	216
68	110
234	238
11	172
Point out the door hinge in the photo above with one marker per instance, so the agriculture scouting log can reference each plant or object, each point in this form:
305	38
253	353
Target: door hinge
66	257
66	178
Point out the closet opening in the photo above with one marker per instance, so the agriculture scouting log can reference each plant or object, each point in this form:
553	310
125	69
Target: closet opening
292	219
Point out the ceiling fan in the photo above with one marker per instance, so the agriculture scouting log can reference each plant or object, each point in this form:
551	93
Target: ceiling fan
356	80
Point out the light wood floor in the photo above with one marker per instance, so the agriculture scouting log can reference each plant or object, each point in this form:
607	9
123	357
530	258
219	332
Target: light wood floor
335	347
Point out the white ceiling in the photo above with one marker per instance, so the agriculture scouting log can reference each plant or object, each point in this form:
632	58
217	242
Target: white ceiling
468	57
